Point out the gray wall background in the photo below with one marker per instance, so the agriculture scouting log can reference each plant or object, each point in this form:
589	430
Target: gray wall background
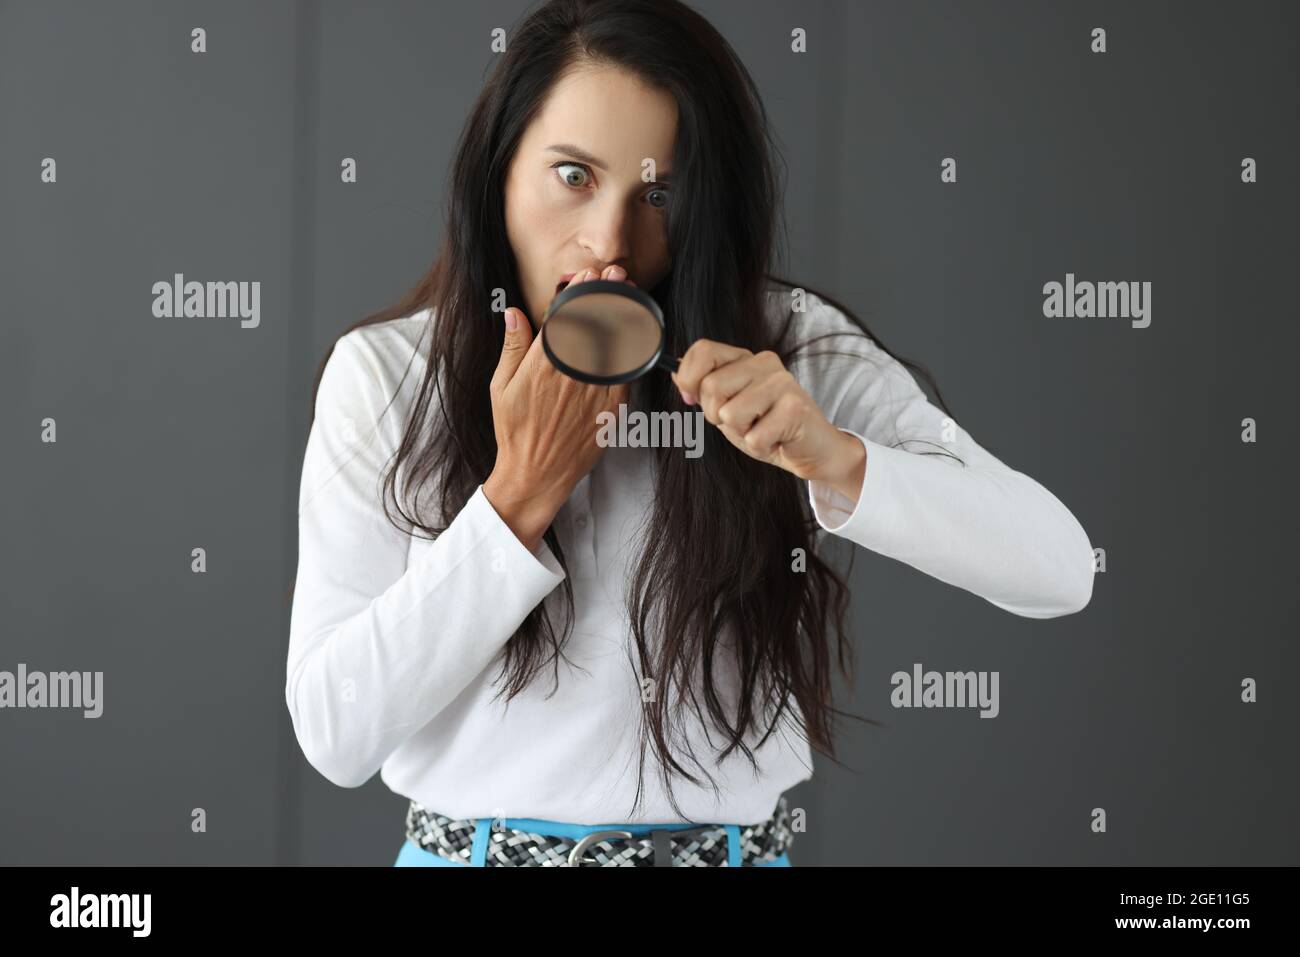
181	433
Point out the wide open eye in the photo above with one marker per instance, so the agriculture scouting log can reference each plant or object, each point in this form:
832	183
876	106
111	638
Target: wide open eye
576	180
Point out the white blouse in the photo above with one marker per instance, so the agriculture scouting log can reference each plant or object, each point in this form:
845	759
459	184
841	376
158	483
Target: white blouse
394	639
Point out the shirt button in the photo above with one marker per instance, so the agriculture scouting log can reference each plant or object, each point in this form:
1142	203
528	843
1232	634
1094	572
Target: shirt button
582	521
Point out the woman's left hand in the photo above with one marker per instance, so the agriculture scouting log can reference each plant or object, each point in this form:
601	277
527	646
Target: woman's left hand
763	411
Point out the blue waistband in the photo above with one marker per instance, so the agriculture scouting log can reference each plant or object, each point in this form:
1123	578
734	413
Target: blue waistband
412	855
573	832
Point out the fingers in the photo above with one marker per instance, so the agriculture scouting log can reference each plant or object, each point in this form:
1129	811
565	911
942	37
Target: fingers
612	273
514	346
727	382
702	358
535	357
783	422
717	372
750	402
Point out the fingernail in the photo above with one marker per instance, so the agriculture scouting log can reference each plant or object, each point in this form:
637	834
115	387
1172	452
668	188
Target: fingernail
687	397
512	322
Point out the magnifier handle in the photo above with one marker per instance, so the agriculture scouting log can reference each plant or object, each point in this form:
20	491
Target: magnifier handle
668	363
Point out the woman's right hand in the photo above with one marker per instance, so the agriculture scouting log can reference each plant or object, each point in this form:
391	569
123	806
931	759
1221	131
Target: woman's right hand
546	427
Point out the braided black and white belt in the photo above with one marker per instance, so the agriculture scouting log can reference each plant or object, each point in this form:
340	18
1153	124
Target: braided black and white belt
704	846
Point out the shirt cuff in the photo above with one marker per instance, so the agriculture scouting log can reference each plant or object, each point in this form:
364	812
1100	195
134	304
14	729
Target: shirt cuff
840	515
538	566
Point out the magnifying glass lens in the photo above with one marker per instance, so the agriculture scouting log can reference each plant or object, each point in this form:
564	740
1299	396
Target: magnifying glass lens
603	335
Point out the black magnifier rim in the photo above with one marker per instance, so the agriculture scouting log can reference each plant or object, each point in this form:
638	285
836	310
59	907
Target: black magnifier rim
605	285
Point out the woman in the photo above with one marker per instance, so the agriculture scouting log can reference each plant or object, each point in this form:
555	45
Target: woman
461	529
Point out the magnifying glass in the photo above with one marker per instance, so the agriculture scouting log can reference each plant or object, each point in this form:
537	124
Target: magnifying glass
605	332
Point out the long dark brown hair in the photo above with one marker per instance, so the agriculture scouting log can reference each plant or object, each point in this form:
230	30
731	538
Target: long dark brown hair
717	557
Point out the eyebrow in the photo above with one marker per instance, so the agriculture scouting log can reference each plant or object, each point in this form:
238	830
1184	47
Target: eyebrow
584	156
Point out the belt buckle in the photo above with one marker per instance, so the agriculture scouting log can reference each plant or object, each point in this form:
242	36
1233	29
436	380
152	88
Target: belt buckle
576	856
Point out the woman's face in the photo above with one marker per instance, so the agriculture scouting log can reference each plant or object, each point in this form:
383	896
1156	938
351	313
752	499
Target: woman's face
575	196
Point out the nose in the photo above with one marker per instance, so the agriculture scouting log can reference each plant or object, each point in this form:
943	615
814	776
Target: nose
606	232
